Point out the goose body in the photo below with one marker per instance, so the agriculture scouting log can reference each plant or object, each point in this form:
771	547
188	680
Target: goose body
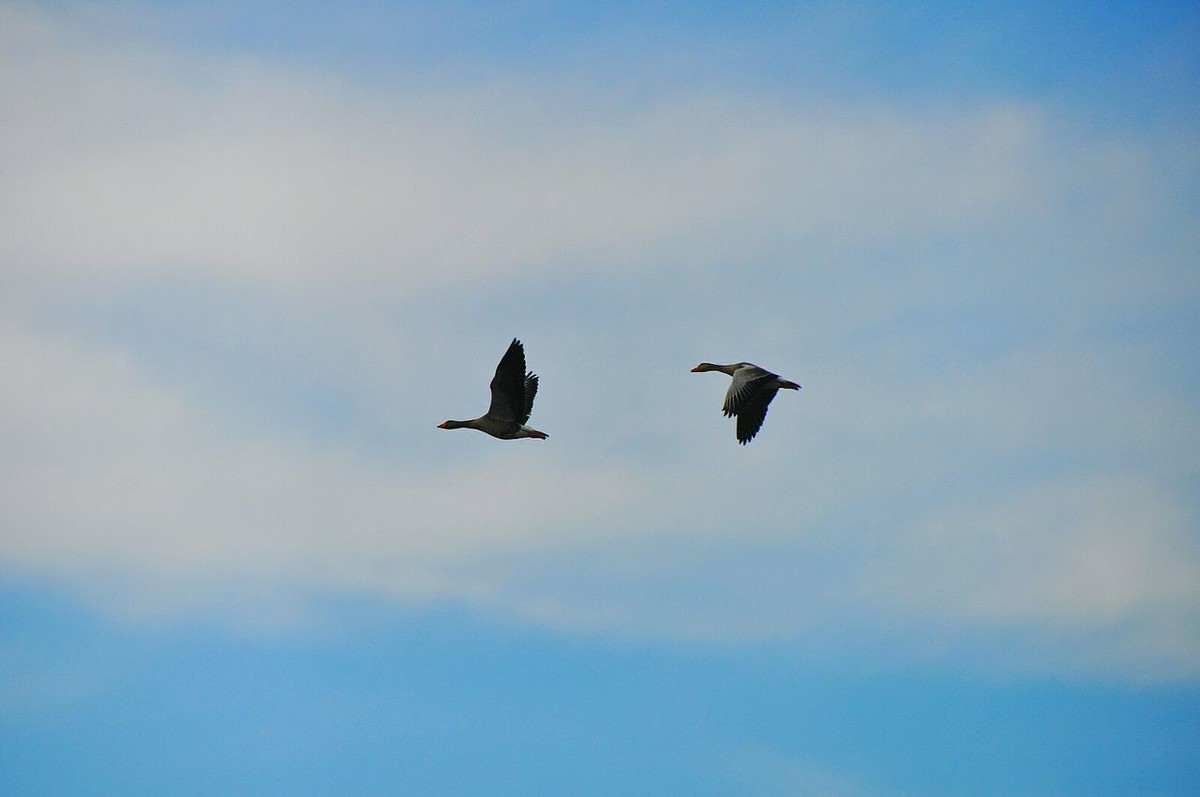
513	389
749	394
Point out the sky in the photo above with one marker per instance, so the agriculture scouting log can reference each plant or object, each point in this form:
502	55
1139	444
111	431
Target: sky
253	253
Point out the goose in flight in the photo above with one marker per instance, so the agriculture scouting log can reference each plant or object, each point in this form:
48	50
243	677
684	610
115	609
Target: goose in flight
749	395
513	389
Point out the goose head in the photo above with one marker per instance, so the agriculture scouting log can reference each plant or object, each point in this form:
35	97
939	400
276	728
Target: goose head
725	369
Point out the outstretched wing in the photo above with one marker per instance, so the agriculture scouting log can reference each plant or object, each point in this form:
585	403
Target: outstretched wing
748	381
531	384
508	386
752	413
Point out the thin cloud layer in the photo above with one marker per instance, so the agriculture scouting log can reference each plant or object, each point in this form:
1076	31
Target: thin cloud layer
133	162
197	246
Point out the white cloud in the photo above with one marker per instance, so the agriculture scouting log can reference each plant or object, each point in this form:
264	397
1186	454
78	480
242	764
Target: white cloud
130	161
111	473
134	492
1110	554
920	486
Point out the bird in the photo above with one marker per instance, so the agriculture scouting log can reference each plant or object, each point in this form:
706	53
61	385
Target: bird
513	389
749	395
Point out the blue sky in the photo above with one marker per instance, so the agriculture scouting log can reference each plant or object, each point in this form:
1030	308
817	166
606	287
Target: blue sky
253	253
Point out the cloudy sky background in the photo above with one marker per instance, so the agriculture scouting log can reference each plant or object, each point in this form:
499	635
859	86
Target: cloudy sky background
252	254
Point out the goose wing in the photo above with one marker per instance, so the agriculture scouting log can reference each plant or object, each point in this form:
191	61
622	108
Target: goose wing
531	384
509	402
753	412
748	382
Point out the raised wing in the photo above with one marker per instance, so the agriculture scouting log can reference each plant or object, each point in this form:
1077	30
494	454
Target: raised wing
531	384
508	386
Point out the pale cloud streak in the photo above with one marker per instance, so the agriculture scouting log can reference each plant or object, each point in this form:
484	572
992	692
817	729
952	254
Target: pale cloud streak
130	162
110	472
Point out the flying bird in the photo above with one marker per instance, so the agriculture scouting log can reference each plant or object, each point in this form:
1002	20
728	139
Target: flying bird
513	389
749	395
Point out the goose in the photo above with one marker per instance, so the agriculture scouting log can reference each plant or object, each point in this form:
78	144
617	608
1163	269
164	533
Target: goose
749	395
513	389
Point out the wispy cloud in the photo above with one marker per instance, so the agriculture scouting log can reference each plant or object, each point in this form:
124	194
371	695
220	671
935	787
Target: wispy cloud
986	305
136	161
